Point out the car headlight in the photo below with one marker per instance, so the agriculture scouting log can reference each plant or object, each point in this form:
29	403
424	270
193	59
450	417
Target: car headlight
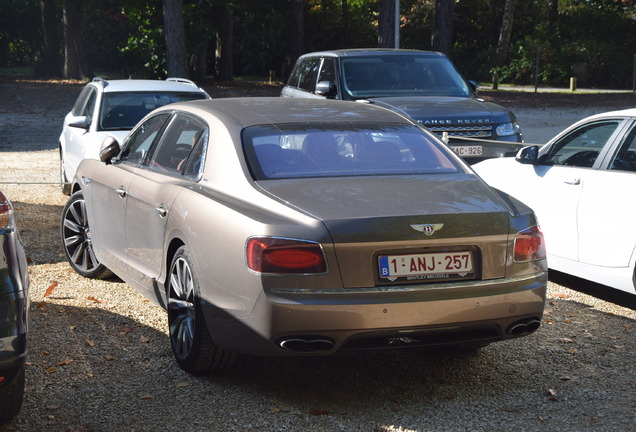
507	129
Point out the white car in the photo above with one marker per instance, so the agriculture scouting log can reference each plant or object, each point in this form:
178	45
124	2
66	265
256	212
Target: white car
111	108
581	186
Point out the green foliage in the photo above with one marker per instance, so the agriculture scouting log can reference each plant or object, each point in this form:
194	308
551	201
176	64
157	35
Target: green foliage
336	24
590	39
19	42
143	54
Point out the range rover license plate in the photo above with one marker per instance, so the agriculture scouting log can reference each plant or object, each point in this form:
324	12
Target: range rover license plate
467	150
426	266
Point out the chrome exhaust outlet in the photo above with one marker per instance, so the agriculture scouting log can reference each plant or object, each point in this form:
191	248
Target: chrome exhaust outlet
306	343
525	326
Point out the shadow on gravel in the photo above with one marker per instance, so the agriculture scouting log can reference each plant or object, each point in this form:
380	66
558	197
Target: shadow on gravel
602	292
101	366
39	226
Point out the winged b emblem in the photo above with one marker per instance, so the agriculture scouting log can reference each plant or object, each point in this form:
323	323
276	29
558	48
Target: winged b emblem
428	229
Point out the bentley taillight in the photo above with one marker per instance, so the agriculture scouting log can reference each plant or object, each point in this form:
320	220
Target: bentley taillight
282	256
529	245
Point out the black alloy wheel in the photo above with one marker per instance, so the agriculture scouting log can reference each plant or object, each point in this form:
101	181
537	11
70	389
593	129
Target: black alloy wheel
192	346
76	238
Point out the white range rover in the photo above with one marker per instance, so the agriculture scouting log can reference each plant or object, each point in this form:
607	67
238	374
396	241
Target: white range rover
112	108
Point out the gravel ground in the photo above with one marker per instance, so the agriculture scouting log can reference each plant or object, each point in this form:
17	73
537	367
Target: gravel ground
100	358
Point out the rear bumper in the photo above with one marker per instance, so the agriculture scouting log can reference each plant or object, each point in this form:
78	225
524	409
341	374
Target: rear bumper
326	322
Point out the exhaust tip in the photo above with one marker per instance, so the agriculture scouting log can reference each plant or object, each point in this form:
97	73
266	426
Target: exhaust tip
525	326
306	343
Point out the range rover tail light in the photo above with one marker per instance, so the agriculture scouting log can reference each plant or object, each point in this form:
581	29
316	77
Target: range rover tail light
6	213
284	256
529	245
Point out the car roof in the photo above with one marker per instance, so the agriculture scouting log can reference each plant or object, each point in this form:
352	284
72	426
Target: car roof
250	111
363	52
629	112
141	85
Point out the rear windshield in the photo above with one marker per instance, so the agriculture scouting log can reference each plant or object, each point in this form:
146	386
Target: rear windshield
287	151
403	75
122	111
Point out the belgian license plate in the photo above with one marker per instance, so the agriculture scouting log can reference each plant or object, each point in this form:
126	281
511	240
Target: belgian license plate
426	266
467	150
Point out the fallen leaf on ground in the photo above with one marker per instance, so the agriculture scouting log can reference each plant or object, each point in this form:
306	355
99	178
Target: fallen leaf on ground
50	289
89	342
65	362
124	330
318	412
551	392
93	299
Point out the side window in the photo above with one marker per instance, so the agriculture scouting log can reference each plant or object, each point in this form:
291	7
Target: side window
327	71
85	103
625	157
308	74
138	144
89	108
294	78
176	145
582	146
194	163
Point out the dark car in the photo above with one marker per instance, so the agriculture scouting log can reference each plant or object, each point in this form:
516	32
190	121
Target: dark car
424	85
14	307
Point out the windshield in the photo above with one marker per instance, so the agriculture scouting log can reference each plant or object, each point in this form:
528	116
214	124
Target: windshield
401	75
122	111
291	151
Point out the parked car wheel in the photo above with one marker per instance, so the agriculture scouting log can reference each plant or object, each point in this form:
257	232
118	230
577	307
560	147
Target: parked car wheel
11	398
76	238
191	342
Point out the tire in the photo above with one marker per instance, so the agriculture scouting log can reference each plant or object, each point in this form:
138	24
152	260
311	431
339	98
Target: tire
76	239
11	398
192	345
66	186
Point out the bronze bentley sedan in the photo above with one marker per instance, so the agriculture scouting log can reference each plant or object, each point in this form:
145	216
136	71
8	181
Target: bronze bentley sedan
273	227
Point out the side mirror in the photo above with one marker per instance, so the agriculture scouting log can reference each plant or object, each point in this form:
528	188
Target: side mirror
325	88
528	155
473	86
108	150
81	122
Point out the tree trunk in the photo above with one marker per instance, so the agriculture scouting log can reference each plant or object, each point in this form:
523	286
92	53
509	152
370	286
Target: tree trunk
442	39
174	31
296	31
50	64
386	24
504	36
225	44
72	37
201	36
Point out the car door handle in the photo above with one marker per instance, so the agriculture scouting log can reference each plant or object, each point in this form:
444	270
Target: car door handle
576	181
121	191
161	211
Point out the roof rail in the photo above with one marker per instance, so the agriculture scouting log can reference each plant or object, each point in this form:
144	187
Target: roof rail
181	80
